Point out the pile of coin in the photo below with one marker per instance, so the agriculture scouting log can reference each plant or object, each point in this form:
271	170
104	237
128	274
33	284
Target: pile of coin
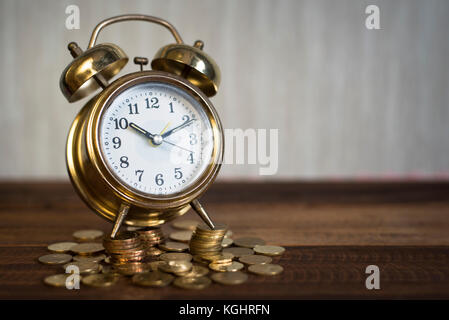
205	241
125	247
151	236
144	254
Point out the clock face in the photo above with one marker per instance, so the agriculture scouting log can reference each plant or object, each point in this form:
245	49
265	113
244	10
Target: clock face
156	138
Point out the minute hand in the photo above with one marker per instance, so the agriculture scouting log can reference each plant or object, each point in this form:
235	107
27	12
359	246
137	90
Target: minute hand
169	132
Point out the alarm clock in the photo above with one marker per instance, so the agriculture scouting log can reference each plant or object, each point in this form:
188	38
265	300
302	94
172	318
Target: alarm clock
149	144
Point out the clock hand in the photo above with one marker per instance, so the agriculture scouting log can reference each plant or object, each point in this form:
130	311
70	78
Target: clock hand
154	138
177	146
185	124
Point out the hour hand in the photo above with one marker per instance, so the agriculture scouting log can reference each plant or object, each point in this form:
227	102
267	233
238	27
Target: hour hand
141	131
181	126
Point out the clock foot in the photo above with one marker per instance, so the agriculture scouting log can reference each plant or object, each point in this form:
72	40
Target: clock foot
196	205
123	211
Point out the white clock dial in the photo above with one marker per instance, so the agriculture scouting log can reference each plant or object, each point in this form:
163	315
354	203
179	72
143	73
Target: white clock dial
156	138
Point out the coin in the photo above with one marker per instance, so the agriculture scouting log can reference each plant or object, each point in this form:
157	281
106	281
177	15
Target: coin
99	280
177	267
226	267
84	267
174	246
265	269
61	247
195	283
87	248
169	256
110	270
131	268
238	252
227	242
269	250
153	279
230	278
197	271
55	258
133	228
181	236
219	258
185	224
58	280
248	242
250	259
207	241
87	235
97	258
154	265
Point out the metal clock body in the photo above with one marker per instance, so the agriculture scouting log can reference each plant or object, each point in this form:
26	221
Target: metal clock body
143	150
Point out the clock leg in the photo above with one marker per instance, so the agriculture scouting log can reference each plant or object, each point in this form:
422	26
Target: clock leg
123	211
196	205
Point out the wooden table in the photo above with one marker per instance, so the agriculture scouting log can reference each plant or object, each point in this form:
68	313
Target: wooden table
332	232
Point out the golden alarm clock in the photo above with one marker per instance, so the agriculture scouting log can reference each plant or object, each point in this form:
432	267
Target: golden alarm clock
148	145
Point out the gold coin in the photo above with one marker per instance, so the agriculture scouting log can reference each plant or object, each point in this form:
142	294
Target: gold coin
185	224
250	259
195	283
110	270
177	267
265	269
174	246
57	280
61	247
226	242
269	250
99	280
154	265
226	267
84	267
131	268
178	256
87	248
97	258
219	258
133	228
230	278
55	258
181	236
87	235
197	271
238	252
248	242
153	279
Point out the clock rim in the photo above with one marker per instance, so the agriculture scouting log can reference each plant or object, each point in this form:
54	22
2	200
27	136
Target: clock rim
127	193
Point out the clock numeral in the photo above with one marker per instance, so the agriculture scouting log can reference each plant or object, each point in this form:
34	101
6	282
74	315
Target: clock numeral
171	107
154	103
190	158
158	179
121	123
124	162
178	173
139	173
117	142
133	107
193	139
185	118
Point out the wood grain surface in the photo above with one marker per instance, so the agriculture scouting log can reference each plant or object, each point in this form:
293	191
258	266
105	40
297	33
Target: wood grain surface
332	232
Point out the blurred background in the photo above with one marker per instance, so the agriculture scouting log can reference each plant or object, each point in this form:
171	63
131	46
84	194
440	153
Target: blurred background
349	103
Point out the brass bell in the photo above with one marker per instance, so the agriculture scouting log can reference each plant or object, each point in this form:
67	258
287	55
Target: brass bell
191	63
90	69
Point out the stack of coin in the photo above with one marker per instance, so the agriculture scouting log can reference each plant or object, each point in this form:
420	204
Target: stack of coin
151	236
125	247
205	241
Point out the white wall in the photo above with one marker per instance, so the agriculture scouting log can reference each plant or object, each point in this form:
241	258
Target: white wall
347	101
